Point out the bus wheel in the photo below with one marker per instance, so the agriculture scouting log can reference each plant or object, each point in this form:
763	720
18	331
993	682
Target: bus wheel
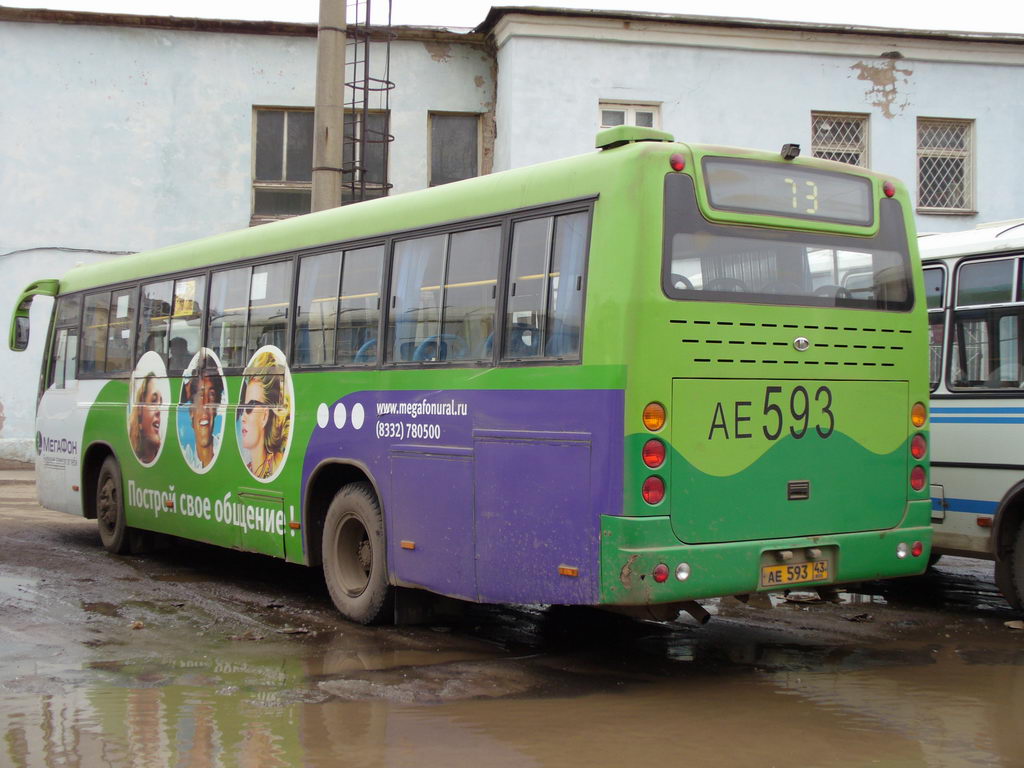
1011	581
355	567
110	508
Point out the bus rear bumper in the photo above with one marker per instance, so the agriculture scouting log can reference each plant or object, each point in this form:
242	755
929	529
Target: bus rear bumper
632	547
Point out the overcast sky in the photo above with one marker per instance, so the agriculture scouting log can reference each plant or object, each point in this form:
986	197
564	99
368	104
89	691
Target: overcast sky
1005	16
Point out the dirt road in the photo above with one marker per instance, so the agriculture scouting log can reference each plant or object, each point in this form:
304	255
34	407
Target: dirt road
194	656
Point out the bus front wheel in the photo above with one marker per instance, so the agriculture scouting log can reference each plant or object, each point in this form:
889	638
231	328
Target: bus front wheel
110	508
355	567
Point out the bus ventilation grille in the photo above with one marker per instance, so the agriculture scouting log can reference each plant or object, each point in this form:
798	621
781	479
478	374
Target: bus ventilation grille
729	342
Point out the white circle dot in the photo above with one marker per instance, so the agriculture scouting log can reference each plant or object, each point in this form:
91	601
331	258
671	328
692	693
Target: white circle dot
339	415
358	416
323	413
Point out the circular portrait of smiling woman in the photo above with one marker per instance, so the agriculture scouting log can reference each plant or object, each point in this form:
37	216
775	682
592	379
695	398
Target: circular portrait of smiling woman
201	410
149	394
263	421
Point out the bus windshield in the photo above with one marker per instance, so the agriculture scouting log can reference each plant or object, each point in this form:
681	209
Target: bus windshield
706	261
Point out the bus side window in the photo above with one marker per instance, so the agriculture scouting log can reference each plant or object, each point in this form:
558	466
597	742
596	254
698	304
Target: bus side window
469	294
56	377
229	309
64	354
359	305
316	309
545	292
416	280
94	333
154	319
269	298
120	327
186	322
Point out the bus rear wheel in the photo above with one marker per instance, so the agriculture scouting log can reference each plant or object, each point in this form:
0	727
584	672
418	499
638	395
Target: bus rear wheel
1011	580
110	508
355	566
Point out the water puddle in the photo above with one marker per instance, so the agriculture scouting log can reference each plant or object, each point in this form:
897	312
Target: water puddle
523	687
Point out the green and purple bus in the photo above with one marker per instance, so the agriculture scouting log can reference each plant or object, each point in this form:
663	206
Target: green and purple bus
635	378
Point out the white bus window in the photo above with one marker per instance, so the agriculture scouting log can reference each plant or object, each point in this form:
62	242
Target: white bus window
935	287
985	282
986	350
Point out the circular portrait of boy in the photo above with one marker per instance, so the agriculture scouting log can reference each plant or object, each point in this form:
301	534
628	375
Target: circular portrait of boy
149	396
263	420
201	410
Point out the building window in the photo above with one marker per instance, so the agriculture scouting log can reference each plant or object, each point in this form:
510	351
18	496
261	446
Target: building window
840	137
365	157
945	165
614	113
283	164
454	147
283	161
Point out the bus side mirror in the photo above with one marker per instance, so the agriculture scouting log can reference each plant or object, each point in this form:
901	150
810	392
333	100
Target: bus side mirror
17	340
20	341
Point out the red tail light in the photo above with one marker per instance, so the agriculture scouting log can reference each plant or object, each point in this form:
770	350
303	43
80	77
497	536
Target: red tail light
653	490
918	447
654	453
917	478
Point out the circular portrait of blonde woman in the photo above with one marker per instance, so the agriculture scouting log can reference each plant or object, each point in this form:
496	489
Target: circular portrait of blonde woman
263	421
149	394
201	410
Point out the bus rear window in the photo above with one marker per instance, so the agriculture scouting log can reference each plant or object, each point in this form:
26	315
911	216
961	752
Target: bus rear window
713	262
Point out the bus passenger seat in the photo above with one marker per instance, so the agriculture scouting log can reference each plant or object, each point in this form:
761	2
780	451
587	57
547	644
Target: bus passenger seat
367	353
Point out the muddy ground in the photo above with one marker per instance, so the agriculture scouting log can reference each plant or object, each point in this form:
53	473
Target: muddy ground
195	656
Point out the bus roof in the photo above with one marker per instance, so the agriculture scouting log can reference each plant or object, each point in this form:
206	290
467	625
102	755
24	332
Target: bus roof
569	178
992	237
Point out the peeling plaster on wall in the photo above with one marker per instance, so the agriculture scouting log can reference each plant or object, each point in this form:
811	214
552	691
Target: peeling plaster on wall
440	52
489	121
885	79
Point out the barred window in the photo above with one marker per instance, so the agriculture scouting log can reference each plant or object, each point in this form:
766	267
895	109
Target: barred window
840	137
945	165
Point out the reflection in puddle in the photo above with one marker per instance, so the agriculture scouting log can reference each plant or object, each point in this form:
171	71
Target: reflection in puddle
607	694
857	598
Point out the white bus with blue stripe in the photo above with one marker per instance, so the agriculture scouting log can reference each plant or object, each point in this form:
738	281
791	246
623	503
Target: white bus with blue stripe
975	287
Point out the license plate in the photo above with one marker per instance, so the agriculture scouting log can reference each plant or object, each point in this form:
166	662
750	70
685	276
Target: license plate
798	573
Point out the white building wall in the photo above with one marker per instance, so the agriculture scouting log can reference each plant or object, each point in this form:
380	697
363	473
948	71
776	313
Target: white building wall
757	88
121	138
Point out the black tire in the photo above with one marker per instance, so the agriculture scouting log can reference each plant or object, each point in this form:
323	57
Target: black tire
114	531
355	564
1011	580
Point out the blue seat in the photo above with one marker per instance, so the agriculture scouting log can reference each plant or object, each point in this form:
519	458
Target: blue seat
447	346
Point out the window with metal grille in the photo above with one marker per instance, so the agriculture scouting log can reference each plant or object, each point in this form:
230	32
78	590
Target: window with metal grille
613	113
840	137
945	165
